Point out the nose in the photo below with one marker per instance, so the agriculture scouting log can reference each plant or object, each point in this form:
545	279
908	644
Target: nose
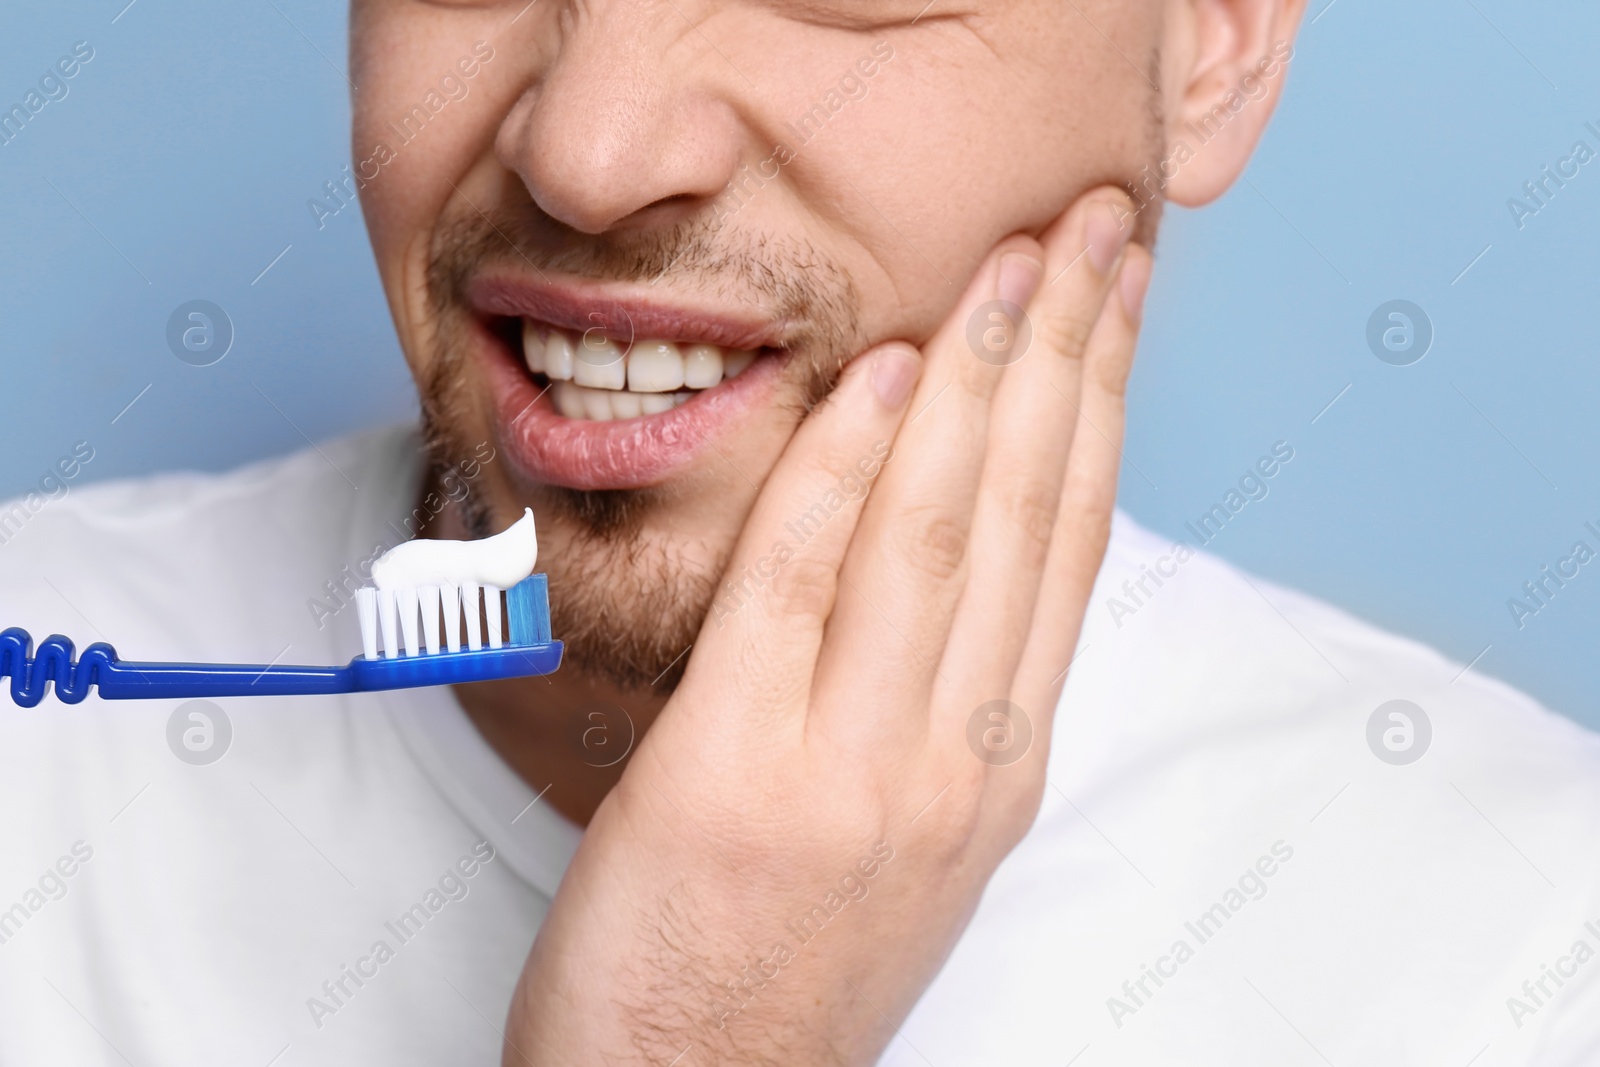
626	126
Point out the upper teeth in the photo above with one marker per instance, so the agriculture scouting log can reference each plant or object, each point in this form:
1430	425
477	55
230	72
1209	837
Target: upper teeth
645	369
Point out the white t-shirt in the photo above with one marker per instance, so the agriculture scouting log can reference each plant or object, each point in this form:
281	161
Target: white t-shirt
1224	870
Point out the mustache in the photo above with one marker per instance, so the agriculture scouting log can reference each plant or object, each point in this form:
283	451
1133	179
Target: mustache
788	279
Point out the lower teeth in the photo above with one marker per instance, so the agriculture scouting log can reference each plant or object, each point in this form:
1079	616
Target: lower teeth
606	405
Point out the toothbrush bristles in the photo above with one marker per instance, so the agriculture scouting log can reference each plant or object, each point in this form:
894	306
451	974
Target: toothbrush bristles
407	599
389	616
472	605
492	600
450	604
428	601
463	610
367	610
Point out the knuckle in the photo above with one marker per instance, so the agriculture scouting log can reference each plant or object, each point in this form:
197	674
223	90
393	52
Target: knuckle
803	590
977	379
1110	375
1028	507
957	818
1016	811
933	542
1064	331
1093	514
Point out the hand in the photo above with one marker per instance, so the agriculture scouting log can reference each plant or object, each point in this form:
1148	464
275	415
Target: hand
807	828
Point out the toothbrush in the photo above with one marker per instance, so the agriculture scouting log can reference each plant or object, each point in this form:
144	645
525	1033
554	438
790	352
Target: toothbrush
431	581
524	649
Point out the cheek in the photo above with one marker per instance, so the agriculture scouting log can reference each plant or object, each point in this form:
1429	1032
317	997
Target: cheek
401	53
953	149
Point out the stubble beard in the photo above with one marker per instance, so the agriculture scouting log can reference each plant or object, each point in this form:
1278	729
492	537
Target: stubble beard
627	598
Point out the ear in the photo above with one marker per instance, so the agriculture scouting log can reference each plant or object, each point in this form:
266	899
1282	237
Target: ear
1224	66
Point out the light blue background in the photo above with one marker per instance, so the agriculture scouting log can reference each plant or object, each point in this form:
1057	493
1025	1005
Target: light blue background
1421	500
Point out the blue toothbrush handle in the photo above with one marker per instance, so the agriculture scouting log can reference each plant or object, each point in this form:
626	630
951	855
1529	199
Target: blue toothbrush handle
99	667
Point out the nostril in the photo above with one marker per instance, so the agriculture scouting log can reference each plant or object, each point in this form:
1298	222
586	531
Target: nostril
602	144
667	211
677	199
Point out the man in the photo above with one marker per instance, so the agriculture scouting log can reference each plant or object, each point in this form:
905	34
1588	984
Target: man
803	327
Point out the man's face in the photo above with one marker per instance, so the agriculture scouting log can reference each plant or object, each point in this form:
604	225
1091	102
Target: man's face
702	211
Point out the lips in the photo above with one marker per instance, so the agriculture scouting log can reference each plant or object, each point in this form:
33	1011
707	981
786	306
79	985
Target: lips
596	388
620	313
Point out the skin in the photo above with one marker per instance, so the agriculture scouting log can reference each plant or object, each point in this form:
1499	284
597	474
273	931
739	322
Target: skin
789	745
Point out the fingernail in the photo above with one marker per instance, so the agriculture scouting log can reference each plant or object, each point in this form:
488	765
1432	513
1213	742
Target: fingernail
895	371
1107	230
1019	278
1132	284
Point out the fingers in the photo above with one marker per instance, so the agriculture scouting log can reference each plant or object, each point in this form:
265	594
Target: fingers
1083	523
904	572
766	622
968	570
1030	439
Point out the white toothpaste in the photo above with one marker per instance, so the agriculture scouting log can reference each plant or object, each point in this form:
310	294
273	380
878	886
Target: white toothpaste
500	561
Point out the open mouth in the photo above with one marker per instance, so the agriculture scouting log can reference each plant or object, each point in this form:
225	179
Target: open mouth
600	386
592	376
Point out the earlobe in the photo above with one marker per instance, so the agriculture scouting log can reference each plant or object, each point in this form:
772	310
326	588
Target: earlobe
1239	58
